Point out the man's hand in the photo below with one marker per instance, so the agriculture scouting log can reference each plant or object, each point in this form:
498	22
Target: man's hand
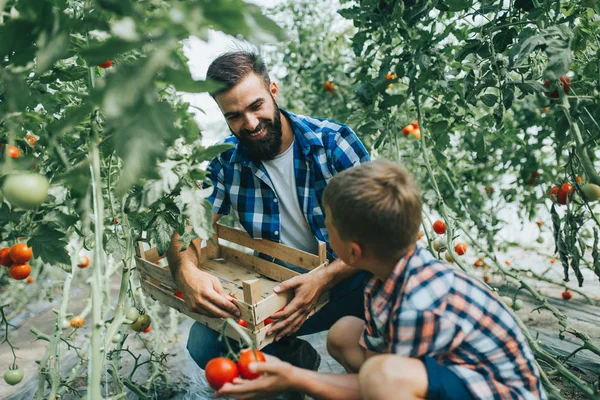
204	294
277	377
307	289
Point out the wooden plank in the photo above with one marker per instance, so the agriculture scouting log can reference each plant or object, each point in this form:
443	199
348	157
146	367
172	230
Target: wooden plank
264	267
139	249
322	252
252	296
146	268
215	324
275	302
152	255
277	250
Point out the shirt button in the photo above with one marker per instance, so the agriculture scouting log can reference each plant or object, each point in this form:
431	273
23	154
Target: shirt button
276	232
275	200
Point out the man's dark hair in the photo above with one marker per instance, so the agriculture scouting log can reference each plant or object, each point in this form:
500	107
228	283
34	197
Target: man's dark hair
231	67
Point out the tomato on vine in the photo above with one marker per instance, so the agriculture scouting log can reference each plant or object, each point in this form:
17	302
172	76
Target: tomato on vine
566	83
5	259
106	64
76	322
449	258
567	295
20	253
141	323
25	190
12	151
29	279
439	227
13	376
329	86
132	314
478	263
19	271
590	192
460	248
566	191
85	262
439	245
246	358
220	371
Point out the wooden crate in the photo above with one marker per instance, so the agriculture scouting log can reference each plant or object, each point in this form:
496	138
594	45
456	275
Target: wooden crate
249	278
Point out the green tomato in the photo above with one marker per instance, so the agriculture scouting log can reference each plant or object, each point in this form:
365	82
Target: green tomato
142	323
25	190
507	300
132	313
13	376
517	305
539	239
116	338
591	192
66	324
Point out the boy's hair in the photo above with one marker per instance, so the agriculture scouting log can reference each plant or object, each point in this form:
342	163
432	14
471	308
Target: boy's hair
231	67
377	204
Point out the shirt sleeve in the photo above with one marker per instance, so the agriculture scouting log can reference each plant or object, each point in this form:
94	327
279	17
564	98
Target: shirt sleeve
349	150
218	198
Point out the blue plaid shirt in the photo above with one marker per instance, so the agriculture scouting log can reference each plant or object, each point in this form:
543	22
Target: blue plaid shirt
322	148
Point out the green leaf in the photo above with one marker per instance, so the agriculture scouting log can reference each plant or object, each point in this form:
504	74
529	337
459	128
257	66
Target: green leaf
262	29
519	54
57	219
207	154
107	50
49	244
508	95
458	5
49	53
489	99
160	233
503	39
183	81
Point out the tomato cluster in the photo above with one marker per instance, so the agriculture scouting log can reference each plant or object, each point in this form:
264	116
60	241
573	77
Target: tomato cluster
561	194
140	321
566	83
412	129
222	370
15	258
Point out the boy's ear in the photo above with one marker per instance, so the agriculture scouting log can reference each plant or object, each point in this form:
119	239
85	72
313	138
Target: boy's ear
356	253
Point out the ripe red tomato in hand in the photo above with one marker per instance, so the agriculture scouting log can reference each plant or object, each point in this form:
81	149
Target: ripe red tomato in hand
5	257
19	271
439	227
248	358
220	371
20	253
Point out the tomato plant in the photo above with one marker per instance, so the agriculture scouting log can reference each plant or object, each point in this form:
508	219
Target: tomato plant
247	357
220	371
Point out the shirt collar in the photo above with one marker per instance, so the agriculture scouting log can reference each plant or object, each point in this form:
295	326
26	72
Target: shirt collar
303	134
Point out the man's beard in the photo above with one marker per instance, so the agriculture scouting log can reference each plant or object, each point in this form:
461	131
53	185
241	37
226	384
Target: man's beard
267	147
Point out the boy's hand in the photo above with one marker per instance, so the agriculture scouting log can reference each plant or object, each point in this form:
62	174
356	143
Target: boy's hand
307	289
277	377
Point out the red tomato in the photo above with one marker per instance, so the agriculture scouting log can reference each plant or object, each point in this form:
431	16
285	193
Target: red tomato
269	320
30	280
148	329
5	257
106	64
219	371
242	323
179	294
554	193
478	263
439	227
19	271
408	129
85	261
567	295
566	81
12	151
460	248
20	253
566	190
248	358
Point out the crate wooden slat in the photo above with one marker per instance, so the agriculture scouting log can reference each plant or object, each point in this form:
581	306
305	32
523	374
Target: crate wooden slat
249	278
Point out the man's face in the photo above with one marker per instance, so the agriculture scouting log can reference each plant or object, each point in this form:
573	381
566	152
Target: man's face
253	116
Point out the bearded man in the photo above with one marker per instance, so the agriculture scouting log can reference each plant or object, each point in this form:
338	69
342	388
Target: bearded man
274	179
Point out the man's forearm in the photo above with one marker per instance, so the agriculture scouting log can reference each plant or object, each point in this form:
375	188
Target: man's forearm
336	272
177	258
326	386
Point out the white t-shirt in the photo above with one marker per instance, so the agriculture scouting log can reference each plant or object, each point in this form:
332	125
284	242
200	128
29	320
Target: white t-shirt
295	231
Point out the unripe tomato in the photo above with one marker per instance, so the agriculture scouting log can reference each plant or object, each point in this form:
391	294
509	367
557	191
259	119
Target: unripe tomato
5	259
65	324
141	323
19	271
439	245
25	190
517	305
85	261
20	253
567	295
220	371
76	322
13	376
487	279
116	338
439	227
132	314
106	64
591	192
246	358
460	248
449	258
